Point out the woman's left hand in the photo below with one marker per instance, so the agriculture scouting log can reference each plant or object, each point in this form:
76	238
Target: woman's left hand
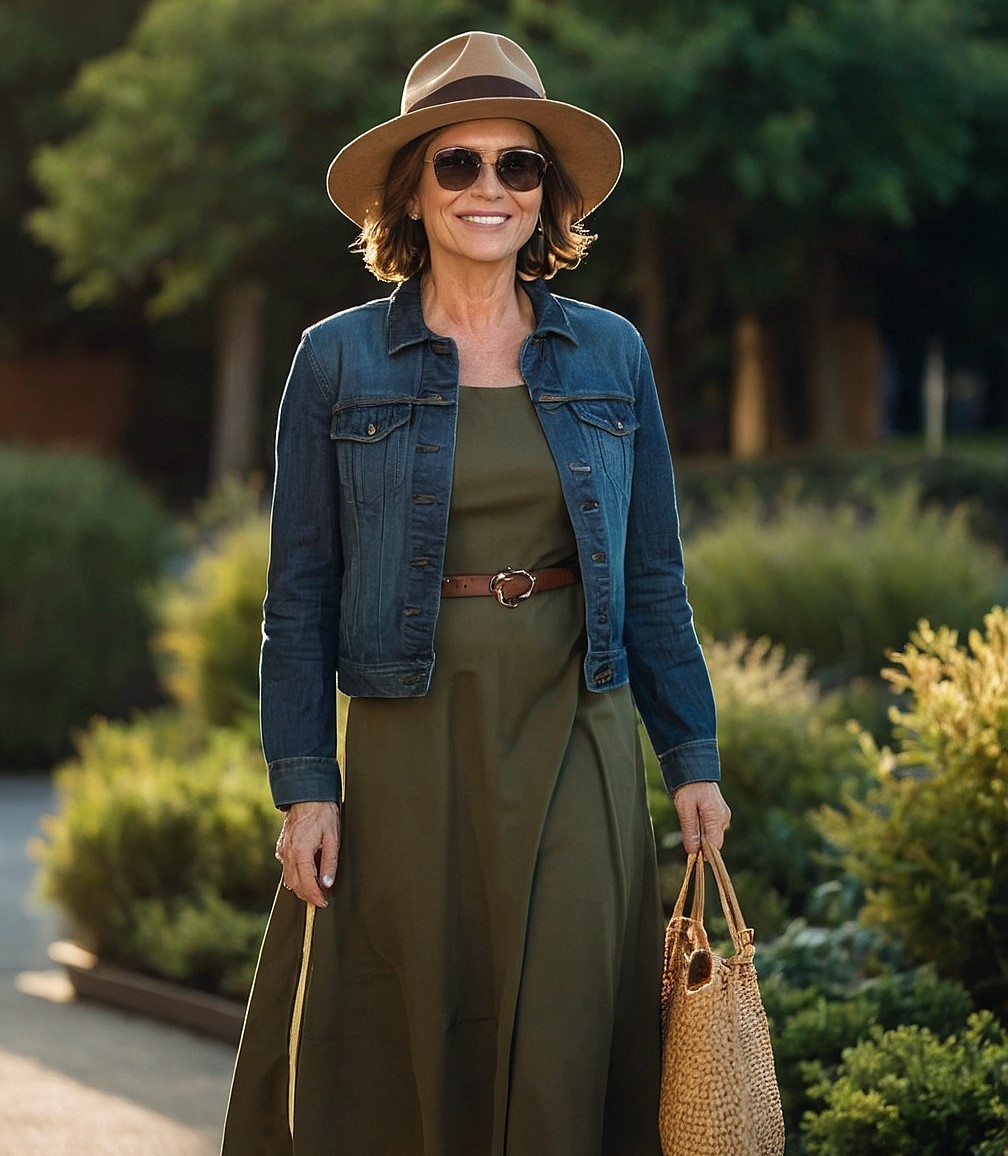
701	810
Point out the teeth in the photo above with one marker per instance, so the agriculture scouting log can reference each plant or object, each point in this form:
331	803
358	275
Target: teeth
484	220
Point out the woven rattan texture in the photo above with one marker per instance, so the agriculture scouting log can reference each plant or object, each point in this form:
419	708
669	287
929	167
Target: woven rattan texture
719	1094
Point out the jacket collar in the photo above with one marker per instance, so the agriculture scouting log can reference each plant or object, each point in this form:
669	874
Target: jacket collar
405	324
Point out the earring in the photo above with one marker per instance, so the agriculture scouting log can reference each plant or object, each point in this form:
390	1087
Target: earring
414	216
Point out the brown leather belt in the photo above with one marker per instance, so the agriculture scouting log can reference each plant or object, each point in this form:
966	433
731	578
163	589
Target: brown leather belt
508	586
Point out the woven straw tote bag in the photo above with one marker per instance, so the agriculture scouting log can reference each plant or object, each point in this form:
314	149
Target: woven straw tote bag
719	1094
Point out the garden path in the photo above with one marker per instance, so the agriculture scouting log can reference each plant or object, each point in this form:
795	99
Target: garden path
77	1077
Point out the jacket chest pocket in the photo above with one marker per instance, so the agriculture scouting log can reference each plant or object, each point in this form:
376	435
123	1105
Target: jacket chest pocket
609	424
370	439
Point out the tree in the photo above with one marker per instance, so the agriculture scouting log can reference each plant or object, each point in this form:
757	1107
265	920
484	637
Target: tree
198	168
775	147
782	161
45	42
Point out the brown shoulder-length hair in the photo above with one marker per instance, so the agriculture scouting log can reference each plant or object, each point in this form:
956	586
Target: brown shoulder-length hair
395	248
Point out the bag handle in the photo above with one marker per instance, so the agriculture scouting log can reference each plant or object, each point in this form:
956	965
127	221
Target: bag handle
694	873
742	936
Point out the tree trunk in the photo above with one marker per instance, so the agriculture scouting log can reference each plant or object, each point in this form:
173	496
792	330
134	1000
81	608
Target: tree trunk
649	283
238	383
750	401
825	374
933	390
861	358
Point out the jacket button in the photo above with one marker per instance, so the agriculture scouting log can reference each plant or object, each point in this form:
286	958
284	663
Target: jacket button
603	619
372	428
589	506
602	676
599	556
412	680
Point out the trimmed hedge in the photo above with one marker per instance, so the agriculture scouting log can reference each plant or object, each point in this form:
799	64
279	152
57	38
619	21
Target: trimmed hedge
82	544
842	583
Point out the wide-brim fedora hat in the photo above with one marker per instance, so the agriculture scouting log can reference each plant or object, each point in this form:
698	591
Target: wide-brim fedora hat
476	76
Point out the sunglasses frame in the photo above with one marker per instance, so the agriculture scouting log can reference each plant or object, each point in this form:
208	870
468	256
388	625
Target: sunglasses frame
497	165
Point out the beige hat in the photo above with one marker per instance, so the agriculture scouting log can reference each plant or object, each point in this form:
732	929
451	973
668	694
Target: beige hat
476	76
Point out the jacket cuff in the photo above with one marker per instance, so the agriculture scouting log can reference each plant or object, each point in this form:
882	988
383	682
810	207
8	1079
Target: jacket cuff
695	762
305	780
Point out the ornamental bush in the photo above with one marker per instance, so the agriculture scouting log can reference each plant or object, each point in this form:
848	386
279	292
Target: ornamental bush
841	583
928	840
210	623
826	988
161	853
785	751
910	1092
81	545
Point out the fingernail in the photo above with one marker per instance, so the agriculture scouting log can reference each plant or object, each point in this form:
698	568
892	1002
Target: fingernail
327	881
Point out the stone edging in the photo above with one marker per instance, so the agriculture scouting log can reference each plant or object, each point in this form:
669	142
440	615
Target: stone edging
210	1015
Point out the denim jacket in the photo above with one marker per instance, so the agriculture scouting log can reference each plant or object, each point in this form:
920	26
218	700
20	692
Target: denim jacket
364	454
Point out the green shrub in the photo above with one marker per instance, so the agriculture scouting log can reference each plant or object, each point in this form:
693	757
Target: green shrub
161	853
908	1092
973	472
81	544
784	752
928	842
843	583
825	989
211	619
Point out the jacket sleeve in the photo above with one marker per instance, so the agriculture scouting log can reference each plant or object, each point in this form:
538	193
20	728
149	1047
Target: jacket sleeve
668	674
300	614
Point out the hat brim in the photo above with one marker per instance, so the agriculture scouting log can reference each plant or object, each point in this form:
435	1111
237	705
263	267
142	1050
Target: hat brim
588	148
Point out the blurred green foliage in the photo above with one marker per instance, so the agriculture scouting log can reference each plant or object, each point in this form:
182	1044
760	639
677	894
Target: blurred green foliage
210	624
82	546
784	752
161	853
842	583
927	841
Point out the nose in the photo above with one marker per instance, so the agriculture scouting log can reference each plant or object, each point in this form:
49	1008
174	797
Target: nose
487	181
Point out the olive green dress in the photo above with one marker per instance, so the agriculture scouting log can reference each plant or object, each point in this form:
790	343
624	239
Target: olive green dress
485	980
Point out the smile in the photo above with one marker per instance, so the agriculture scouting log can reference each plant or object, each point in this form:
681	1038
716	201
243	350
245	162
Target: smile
484	219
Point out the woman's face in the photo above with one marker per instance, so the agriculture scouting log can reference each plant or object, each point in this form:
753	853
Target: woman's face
486	223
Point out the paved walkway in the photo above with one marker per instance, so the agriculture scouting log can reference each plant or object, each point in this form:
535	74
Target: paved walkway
76	1078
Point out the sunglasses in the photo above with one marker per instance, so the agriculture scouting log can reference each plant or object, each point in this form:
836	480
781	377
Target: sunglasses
521	170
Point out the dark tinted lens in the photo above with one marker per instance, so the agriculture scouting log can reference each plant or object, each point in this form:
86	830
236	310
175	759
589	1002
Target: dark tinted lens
521	169
456	169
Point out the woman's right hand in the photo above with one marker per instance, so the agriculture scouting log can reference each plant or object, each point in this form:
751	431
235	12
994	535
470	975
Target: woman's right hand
308	850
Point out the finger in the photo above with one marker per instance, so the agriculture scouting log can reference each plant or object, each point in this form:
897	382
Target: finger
715	819
304	882
329	857
689	824
714	834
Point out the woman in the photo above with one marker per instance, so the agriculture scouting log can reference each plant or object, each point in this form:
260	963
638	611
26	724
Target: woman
465	956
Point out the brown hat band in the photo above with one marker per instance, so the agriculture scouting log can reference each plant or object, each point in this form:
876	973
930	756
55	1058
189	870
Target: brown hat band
476	88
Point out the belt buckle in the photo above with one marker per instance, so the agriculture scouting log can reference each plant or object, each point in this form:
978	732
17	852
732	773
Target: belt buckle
502	576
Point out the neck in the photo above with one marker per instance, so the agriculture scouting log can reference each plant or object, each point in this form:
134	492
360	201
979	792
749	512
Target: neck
474	300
